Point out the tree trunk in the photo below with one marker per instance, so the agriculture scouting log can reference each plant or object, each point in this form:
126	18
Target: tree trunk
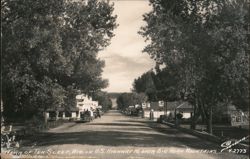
209	121
195	120
195	117
193	123
45	117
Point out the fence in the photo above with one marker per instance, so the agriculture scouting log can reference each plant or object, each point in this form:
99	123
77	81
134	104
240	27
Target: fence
31	129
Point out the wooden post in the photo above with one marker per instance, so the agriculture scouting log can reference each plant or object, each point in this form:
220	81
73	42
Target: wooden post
210	125
166	108
57	114
63	115
45	117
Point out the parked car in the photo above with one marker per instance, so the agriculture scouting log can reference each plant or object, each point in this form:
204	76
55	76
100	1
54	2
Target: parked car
162	118
85	117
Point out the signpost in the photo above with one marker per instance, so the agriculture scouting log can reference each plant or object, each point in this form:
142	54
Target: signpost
99	106
161	103
148	105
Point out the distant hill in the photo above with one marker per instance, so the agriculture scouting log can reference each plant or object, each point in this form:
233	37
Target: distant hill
114	94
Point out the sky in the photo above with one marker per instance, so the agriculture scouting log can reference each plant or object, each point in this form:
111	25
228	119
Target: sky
124	60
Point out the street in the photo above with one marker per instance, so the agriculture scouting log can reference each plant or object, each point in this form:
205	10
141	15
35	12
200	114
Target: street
118	136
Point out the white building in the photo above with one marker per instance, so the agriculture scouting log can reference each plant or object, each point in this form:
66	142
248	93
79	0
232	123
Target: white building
84	103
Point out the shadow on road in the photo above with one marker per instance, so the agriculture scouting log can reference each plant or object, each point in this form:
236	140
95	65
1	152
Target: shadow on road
115	124
120	138
121	131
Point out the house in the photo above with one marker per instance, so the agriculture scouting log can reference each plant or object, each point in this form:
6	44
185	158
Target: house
236	117
167	108
61	113
171	108
186	109
83	103
156	107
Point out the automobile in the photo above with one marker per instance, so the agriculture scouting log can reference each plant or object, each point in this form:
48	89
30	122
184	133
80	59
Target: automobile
162	118
95	114
101	112
85	117
134	112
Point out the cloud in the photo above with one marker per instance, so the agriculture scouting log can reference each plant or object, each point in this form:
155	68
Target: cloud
126	65
124	58
121	71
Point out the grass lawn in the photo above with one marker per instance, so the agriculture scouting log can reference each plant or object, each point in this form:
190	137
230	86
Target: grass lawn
225	131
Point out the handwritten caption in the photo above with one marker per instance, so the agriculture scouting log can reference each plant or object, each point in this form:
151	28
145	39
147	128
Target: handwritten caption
107	151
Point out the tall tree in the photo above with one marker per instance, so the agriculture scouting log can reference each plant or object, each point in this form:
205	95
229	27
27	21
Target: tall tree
103	100
125	100
203	40
50	51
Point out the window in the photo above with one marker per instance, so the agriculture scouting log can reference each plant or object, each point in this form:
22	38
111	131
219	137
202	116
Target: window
60	114
68	114
52	114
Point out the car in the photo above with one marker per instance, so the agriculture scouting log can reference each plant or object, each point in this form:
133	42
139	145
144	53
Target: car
85	117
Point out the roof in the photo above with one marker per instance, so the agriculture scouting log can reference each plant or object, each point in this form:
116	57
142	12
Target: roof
172	105
185	106
231	107
228	109
155	106
61	109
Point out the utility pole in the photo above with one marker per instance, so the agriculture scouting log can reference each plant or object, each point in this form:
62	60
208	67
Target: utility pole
248	35
166	108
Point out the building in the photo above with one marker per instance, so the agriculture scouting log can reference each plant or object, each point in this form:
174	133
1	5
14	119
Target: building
157	108
167	108
61	113
236	117
83	103
171	108
186	109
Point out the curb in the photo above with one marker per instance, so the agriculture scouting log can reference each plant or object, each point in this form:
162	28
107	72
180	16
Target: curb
202	135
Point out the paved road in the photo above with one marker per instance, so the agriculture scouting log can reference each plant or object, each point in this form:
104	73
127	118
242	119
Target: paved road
116	136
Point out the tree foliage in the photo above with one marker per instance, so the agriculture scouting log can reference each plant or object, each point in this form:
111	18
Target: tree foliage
205	44
162	85
103	100
125	100
50	51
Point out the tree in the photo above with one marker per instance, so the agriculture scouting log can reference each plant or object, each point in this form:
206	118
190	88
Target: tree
103	100
206	43
50	51
28	60
161	85
125	100
146	84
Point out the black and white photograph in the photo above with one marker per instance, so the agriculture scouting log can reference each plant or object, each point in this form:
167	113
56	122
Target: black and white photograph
125	79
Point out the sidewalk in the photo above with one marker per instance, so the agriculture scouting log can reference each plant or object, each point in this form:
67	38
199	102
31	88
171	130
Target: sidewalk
206	136
223	131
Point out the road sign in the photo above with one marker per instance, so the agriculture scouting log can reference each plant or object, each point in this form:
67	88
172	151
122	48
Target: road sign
161	103
148	105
